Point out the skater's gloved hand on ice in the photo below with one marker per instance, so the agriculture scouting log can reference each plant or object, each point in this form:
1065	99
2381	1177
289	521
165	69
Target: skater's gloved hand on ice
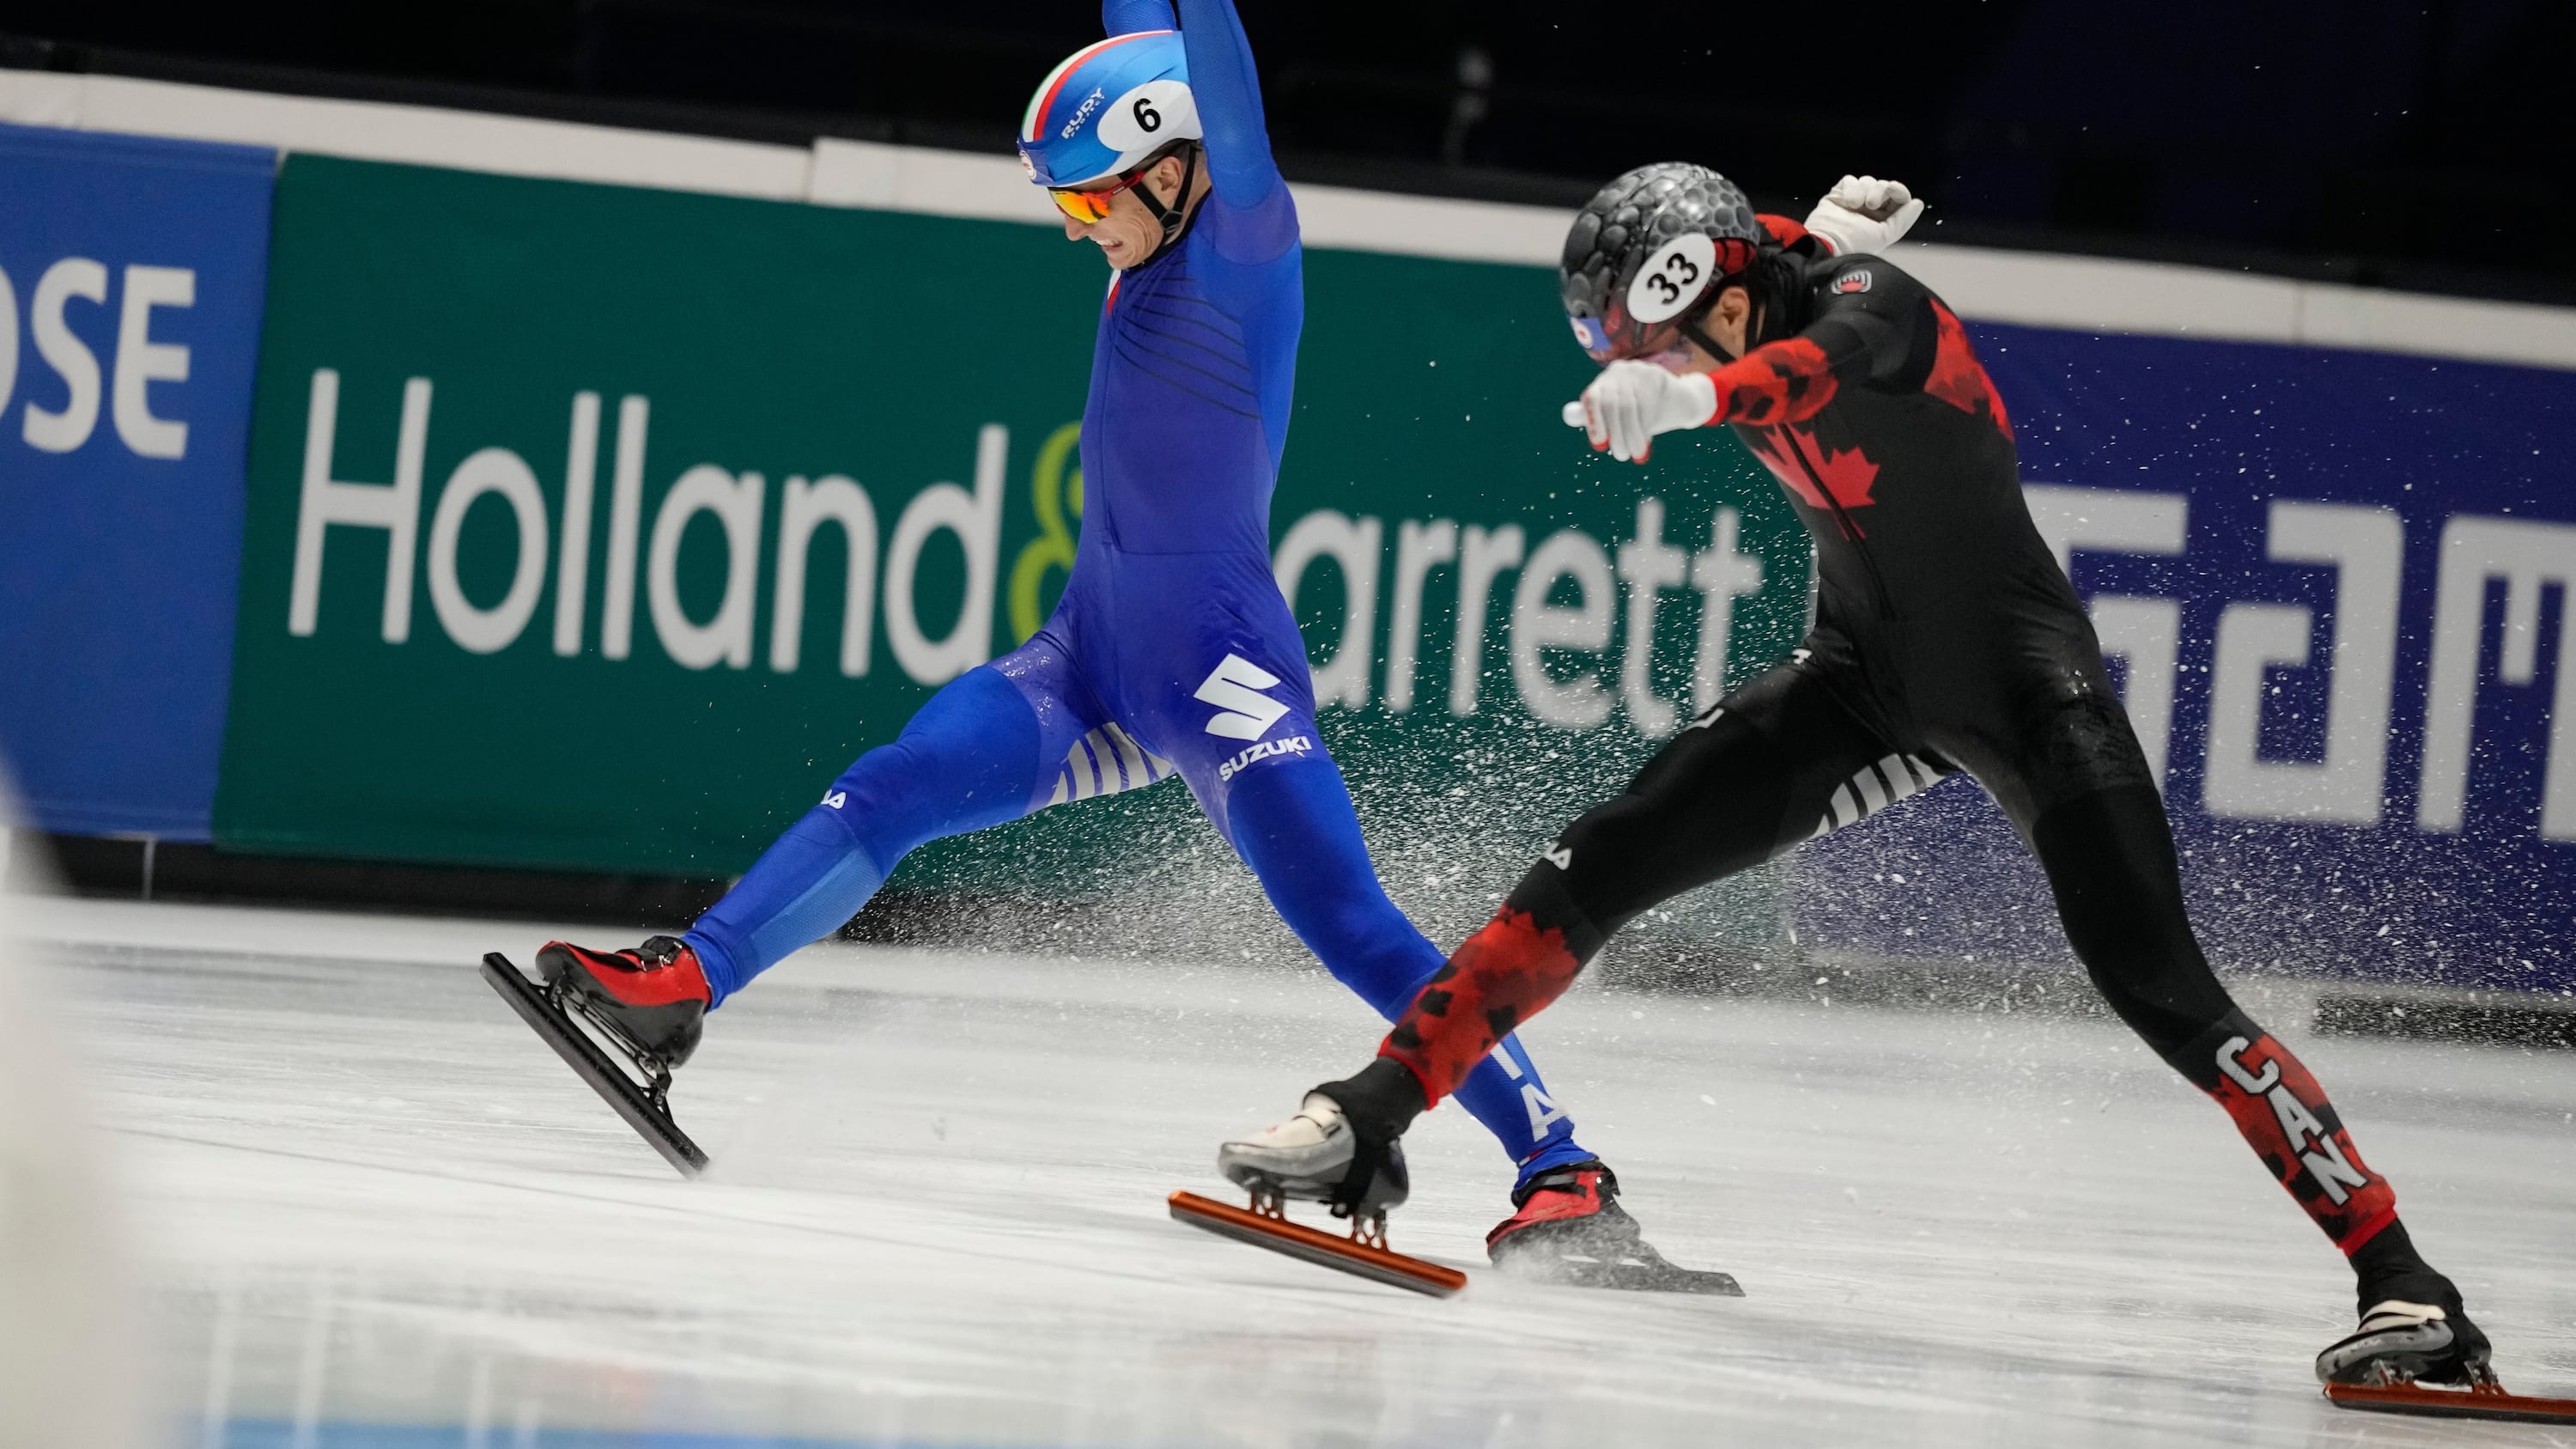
1631	401
1864	214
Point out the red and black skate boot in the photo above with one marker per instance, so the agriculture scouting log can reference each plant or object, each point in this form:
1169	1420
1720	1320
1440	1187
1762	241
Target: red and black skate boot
1570	1229
654	996
621	1020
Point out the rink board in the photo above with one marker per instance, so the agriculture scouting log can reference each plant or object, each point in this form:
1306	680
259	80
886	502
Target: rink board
2345	578
131	271
571	355
2333	583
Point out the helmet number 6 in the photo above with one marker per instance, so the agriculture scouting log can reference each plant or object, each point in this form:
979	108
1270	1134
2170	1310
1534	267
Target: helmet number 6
1147	118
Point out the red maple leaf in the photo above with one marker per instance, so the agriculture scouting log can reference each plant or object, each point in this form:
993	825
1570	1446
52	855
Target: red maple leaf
1791	452
1957	379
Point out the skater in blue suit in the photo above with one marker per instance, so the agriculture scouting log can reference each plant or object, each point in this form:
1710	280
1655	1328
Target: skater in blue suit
1172	651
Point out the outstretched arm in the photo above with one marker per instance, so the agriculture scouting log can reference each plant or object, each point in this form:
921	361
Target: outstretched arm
1228	93
1126	17
1631	401
1867	336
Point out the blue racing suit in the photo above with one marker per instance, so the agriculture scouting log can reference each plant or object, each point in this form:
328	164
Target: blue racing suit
1171	651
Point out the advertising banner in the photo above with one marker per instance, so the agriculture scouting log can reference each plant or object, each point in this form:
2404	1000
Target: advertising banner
600	528
130	296
2335	589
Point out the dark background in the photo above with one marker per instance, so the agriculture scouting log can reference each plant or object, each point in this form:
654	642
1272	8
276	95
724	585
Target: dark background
2416	143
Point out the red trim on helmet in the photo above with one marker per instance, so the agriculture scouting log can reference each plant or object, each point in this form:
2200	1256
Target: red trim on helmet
1038	117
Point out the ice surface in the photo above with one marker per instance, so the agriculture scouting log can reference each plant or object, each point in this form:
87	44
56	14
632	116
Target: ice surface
373	1210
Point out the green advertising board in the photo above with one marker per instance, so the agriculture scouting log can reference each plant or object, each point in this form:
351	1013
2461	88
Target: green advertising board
598	528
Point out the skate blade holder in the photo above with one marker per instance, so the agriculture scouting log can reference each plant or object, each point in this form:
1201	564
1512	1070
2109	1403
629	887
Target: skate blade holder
1364	1253
639	1089
2484	1398
1641	1270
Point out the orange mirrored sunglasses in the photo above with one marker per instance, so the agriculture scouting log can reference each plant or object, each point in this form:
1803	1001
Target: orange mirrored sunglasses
1088	205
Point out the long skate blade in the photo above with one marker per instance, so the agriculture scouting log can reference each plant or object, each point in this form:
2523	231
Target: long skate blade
1627	1277
2481	1401
1299	1241
592	1065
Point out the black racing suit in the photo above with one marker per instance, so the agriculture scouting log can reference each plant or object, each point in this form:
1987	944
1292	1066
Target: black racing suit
1945	635
1946	638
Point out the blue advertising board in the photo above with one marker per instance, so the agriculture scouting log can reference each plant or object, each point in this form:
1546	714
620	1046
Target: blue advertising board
131	278
2335	587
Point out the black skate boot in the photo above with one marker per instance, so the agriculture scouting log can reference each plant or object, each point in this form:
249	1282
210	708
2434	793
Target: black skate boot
654	996
2412	1325
2413	1332
1571	1230
621	1020
2403	1342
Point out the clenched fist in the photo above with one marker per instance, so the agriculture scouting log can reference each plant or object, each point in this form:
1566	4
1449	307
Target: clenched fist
1864	214
1632	401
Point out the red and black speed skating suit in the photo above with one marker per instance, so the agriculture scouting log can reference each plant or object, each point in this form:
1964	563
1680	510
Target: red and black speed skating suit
1945	639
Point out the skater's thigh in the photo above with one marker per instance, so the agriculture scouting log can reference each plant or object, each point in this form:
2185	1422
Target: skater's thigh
1218	684
2057	752
1083	749
978	753
1776	763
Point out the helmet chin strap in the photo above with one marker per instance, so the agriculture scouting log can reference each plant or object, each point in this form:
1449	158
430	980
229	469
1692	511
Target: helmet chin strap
1690	328
1177	215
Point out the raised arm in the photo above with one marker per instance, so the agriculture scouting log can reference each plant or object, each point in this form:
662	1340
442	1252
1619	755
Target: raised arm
1228	93
1865	336
1126	17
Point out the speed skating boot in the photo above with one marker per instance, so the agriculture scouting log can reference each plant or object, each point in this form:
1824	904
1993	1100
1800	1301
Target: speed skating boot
2400	1341
1319	1156
654	995
1570	1213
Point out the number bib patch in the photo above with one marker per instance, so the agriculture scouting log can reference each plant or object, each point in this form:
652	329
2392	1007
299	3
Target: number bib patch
1673	278
1148	116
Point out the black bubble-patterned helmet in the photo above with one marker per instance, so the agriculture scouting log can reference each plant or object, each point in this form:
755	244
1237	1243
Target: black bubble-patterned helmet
1647	249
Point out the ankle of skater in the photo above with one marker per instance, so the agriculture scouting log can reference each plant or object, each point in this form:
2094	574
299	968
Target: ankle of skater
1564	1152
2387	1266
1380	1100
715	962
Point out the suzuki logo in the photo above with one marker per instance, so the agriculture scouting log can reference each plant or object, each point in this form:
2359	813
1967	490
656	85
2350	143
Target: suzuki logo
1264	750
1243	713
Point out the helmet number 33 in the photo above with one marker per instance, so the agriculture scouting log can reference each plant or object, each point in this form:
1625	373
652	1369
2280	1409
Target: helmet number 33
1672	278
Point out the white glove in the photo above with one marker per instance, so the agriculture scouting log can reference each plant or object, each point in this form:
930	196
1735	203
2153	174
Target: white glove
1632	401
1864	214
